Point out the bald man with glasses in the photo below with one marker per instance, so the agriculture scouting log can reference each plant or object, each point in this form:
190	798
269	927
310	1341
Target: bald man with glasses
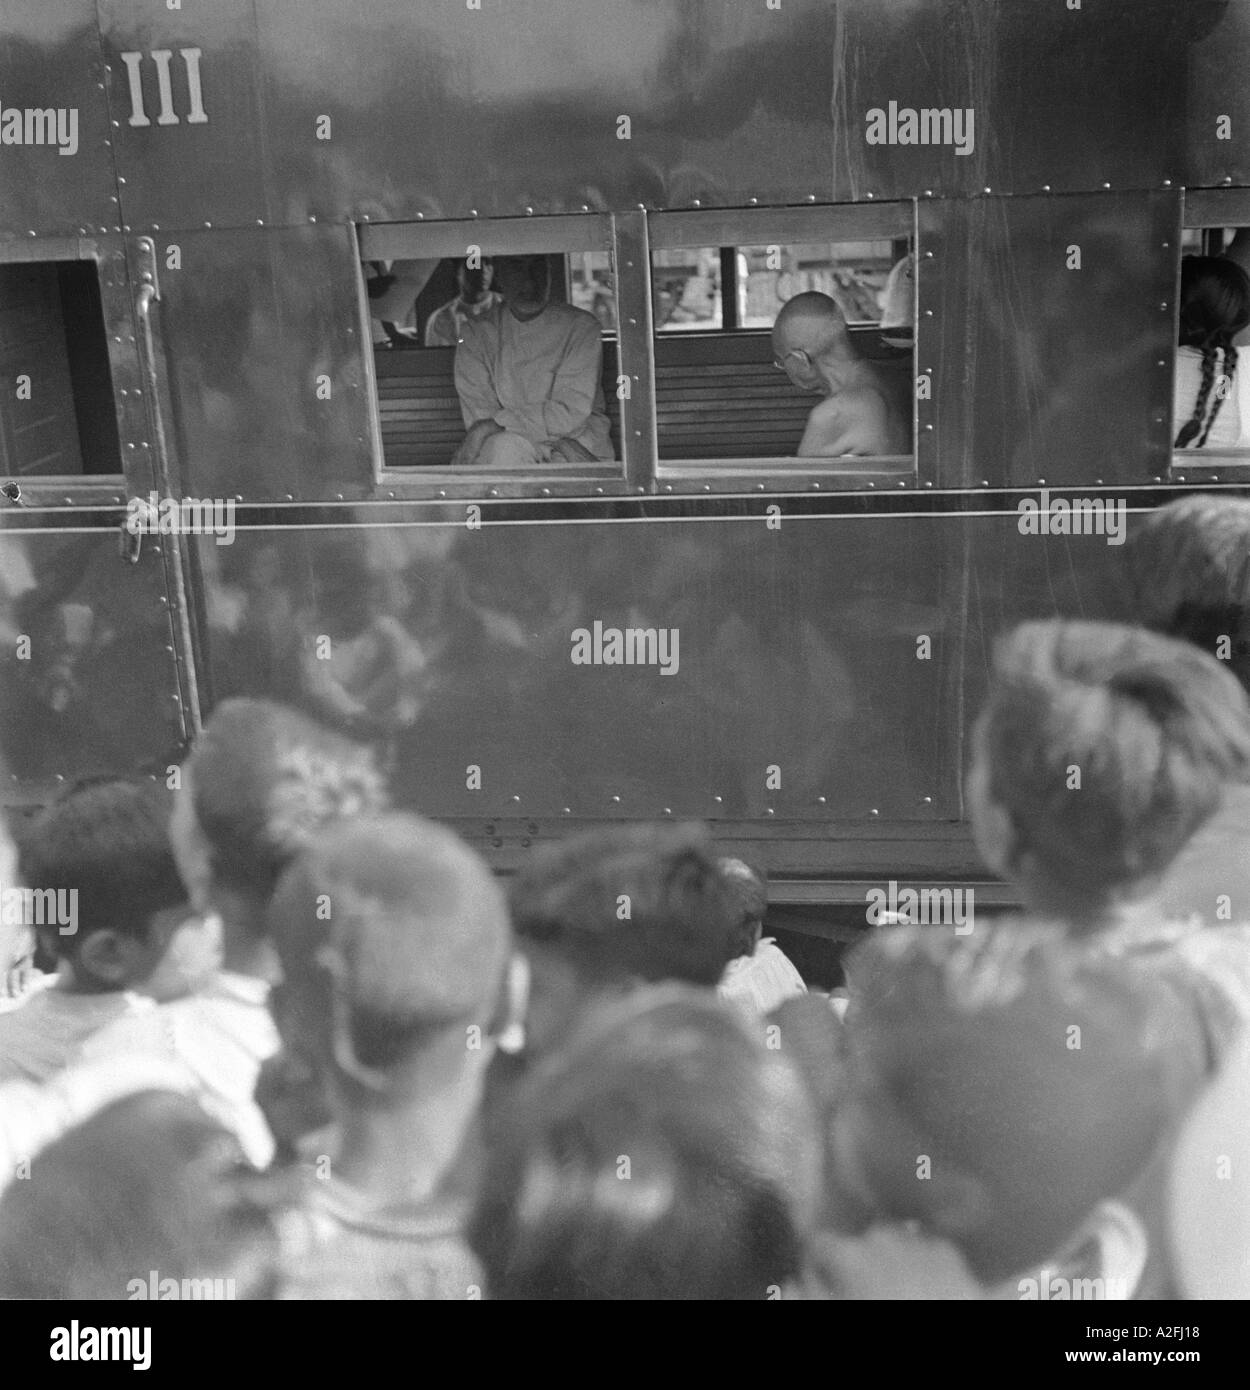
863	412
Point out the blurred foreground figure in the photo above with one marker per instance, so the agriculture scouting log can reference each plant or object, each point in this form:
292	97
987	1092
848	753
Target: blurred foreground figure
665	1154
394	942
1004	1090
147	1199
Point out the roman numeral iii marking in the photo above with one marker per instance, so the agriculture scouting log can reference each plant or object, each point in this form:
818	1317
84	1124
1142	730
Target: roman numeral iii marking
164	85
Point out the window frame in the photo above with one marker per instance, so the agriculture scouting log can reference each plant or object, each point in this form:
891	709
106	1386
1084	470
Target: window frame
812	223
613	233
58	491
1202	208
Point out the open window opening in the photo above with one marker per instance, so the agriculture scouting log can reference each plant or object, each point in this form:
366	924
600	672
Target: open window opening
788	336
58	415
1211	378
495	347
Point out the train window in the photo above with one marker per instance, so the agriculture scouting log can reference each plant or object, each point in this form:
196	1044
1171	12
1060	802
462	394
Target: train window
836	388
59	420
495	347
1211	382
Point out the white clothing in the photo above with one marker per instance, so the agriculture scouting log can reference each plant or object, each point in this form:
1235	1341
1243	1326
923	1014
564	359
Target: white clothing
540	379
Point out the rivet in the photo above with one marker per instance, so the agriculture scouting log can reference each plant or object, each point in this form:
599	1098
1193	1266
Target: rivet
928	313
442	492
545	492
494	492
529	212
668	810
696	202
820	801
926	801
928	255
985	482
1041	482
516	798
929	429
291	498
718	799
987	189
928	193
1167	183
208	226
668	487
1045	188
811	197
874	812
870	195
1164	305
1106	185
1162	362
768	811
616	800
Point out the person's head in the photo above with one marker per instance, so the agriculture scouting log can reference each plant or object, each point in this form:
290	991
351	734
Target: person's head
106	895
599	912
998	1087
1214	308
148	1187
394	942
810	339
524	282
1188	573
261	780
748	887
474	282
665	1154
1100	750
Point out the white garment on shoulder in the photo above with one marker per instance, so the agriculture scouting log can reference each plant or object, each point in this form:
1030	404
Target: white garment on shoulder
762	981
222	1036
1226	431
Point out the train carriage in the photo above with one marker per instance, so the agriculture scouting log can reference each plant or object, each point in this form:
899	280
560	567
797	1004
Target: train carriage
194	199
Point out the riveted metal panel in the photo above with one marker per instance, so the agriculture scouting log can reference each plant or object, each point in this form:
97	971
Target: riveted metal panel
50	60
1044	370
1217	134
97	689
796	651
263	353
1062	97
179	170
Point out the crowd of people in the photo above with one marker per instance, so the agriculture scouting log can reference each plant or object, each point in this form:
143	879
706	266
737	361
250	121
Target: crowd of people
285	1040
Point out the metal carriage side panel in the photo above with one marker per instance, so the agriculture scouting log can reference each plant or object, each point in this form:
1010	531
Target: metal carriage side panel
1066	98
1048	323
94	688
264	359
186	94
50	62
798	689
446	111
1217	137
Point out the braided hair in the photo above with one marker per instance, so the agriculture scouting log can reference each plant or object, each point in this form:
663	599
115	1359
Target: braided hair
1215	307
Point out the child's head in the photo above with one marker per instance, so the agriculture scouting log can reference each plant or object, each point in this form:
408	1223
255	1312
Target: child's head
1099	752
394	942
748	887
999	1086
261	781
1188	574
101	871
149	1186
665	1154
602	911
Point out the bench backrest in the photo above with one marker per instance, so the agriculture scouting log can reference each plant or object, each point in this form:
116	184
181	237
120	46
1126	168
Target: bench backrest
716	396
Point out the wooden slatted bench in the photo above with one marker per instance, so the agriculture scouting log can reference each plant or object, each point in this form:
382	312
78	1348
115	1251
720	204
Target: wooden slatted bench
717	396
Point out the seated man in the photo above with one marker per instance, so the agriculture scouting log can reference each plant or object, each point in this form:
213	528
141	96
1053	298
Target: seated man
528	373
474	297
863	412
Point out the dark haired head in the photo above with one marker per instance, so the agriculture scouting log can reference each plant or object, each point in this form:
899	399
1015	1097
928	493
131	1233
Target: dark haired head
263	779
748	887
646	901
1101	749
107	841
148	1184
666	1154
1188	571
1214	308
1036	1078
